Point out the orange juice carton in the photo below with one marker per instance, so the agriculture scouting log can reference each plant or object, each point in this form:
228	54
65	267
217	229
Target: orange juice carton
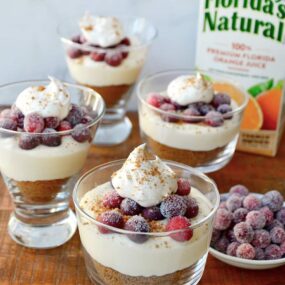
245	41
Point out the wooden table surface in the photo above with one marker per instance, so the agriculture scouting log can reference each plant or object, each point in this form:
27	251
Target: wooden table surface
65	265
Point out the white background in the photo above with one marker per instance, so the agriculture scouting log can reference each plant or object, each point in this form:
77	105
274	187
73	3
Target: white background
30	47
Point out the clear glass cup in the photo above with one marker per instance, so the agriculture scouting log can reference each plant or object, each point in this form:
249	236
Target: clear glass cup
113	258
185	138
114	83
40	179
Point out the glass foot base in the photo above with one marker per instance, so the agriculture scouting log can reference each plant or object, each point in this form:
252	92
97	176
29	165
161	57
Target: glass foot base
109	134
42	236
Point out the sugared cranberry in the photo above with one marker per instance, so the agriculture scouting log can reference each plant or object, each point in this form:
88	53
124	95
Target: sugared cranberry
137	224
273	251
114	58
34	123
52	122
98	56
230	235
182	224
252	202
152	213
245	251
269	216
155	99
256	219
50	137
277	235
76	39
74	53
75	115
239	215
86	120
280	216
183	187
81	133
220	99
215	236
17	116
222	244
8	124
172	206
167	107
224	109
214	119
282	247
223	205
243	232
130	207
222	219
204	109
273	224
27	141
232	248
239	189
64	126
273	199
192	207
112	200
259	254
234	202
125	41
112	219
261	238
170	117
190	114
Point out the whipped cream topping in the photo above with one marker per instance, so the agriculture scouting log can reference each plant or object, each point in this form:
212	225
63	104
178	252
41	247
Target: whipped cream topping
102	31
52	100
144	178
188	89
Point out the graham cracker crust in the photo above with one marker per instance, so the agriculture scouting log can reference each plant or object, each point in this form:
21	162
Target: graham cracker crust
192	158
40	191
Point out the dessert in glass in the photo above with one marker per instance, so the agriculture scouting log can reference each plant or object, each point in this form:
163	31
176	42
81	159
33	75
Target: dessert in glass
145	221
46	129
107	54
190	117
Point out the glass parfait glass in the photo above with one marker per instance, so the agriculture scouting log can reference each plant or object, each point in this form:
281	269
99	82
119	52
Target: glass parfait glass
40	177
87	66
188	139
115	258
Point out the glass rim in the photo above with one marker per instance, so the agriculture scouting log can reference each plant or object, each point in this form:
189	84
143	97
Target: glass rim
154	234
68	41
68	132
186	117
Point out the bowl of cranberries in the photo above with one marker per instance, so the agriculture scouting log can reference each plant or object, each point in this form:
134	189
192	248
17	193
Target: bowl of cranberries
249	229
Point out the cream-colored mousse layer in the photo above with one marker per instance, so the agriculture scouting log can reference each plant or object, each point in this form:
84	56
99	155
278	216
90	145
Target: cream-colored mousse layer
187	136
86	71
42	162
155	257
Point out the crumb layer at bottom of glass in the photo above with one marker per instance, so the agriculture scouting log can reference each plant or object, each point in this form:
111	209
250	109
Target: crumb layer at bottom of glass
102	275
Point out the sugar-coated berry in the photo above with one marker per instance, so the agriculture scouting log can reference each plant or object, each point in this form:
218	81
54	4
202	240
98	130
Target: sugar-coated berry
273	224
282	247
214	119
8	124
28	142
81	133
182	224
239	215
222	219
252	202
6	113
215	235
75	115
167	107
224	109
34	123
64	126
222	244
155	99
74	53
183	187
246	251
273	251
273	199
190	114
234	202
280	215
256	219
172	206
110	218
97	56
170	117
86	119
152	213
50	137
232	248
230	235
192	209
261	239
114	58
204	109
51	122
221	99
239	189
137	224
223	205
269	215
259	254
130	207
243	232
277	235
112	200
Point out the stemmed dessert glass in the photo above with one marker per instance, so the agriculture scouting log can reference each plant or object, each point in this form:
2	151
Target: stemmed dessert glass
40	178
114	83
154	261
185	138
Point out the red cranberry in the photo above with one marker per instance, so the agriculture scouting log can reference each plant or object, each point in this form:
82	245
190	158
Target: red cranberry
137	224
192	208
220	99
50	138
243	232
97	56
252	202
232	248
52	122
214	119
75	115
112	200
114	59
256	219
273	199
152	213
8	124
222	219
191	113
81	133
245	251
125	41
239	189
273	251
167	107
180	223
34	123
86	120
261	239
112	219
155	99
204	109
64	126
29	141
170	117
183	187
74	53
172	206
222	244
130	207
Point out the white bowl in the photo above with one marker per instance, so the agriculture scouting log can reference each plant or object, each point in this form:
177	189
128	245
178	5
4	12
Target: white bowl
246	263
